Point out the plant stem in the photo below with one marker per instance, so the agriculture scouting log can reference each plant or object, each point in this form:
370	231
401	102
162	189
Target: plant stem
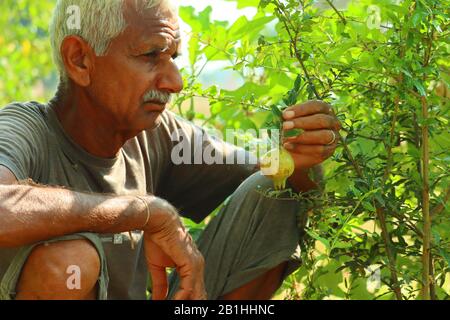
425	205
391	259
387	170
438	208
293	41
337	11
426	253
433	295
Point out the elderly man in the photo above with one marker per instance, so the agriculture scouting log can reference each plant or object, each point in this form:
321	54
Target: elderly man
78	173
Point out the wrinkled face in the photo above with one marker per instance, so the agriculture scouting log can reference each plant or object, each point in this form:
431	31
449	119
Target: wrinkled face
138	61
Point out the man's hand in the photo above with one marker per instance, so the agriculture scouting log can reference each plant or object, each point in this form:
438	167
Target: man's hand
168	244
319	139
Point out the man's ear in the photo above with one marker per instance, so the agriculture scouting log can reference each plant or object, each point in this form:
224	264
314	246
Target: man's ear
78	58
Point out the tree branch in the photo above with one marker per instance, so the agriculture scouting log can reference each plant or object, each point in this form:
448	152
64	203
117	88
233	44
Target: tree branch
391	259
341	16
438	208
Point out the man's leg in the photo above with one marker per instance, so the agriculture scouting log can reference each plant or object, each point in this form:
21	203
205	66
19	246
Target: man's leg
51	269
252	244
47	271
261	288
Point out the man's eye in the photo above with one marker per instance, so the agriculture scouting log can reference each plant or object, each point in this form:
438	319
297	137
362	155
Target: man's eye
176	55
152	54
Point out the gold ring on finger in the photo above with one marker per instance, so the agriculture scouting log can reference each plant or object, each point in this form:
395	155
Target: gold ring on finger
332	140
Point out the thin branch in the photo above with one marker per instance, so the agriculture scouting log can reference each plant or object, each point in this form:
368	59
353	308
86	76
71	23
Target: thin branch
297	54
391	259
341	16
426	254
389	161
425	206
440	207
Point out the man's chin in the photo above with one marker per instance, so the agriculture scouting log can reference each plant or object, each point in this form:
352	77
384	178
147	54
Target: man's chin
154	120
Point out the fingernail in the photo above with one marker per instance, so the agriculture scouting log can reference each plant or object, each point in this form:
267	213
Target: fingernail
288	114
288	146
287	125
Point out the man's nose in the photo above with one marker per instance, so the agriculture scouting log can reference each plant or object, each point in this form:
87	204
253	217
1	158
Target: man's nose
170	78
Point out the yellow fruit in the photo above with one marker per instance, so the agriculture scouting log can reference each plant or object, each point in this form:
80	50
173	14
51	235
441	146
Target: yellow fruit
278	165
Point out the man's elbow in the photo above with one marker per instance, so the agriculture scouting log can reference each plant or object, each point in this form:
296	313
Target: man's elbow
8	224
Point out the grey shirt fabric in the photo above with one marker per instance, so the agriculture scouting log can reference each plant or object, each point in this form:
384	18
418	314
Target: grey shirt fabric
33	144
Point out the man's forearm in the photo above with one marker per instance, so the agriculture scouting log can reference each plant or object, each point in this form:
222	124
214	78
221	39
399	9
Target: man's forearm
29	214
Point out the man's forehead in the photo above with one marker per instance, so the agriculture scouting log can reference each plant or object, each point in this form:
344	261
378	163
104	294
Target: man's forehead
155	20
156	34
143	14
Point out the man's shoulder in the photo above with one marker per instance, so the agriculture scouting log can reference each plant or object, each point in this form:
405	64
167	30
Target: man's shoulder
23	138
29	113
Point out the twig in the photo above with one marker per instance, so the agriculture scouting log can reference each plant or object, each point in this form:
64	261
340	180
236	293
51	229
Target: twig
425	205
433	295
390	256
438	208
426	253
337	11
387	170
380	211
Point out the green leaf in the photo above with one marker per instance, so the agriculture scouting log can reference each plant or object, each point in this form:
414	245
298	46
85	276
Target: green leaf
368	206
419	86
276	112
315	236
245	3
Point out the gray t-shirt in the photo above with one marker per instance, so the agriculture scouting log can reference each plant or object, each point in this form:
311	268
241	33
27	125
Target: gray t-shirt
34	145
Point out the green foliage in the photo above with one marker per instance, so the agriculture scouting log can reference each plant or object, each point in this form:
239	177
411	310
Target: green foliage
25	57
375	65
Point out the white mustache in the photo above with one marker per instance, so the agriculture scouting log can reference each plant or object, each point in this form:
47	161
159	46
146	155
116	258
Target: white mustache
157	96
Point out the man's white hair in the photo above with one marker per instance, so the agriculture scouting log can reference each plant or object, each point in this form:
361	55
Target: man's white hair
100	22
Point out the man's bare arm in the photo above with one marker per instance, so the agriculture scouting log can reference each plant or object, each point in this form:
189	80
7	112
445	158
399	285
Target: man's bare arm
33	213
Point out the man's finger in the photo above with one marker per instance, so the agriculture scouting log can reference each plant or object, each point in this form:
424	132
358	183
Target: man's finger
192	279
306	109
187	282
199	285
322	152
313	137
159	282
183	294
314	122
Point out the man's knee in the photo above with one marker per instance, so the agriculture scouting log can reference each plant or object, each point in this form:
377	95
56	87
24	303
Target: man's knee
60	270
256	181
254	193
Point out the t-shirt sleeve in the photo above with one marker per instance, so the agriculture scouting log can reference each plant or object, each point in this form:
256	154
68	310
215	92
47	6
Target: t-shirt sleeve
21	140
203	169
